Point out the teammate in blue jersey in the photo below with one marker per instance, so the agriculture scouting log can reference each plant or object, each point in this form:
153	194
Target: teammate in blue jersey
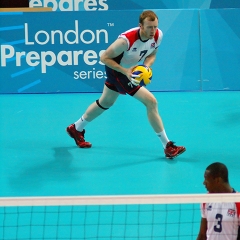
220	221
139	44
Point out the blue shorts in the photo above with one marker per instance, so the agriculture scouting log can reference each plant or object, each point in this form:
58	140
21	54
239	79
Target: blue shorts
118	82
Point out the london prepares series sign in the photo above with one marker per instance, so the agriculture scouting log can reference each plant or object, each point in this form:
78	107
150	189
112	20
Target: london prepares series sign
59	51
48	57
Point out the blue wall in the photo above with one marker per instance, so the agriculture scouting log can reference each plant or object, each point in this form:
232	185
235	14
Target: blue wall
220	49
200	50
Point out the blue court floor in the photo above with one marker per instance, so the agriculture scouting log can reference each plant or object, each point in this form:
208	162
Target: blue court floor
38	158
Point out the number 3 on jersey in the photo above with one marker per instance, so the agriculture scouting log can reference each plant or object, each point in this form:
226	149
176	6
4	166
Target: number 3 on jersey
218	227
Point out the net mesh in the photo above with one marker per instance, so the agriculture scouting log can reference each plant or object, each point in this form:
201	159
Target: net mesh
104	218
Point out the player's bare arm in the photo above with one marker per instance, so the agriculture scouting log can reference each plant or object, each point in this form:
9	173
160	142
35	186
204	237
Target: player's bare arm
203	230
114	50
149	60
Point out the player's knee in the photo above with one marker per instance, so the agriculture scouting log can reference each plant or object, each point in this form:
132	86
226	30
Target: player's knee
155	102
102	107
152	102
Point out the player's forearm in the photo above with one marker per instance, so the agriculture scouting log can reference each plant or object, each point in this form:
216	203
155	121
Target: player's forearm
114	65
149	60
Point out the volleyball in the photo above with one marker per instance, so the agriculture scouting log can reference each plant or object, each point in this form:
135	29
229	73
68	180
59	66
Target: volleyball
145	74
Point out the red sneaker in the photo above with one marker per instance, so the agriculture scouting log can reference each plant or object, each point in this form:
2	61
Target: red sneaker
172	151
78	136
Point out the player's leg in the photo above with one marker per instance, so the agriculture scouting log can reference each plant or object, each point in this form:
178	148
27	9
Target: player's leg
76	130
148	99
106	100
154	118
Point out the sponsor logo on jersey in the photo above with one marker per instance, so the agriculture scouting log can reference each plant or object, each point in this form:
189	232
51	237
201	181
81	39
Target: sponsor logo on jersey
153	45
231	212
134	49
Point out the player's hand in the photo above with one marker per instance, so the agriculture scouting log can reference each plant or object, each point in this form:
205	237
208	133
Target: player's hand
133	79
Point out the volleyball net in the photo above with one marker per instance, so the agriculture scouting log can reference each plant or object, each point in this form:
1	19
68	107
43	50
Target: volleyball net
130	217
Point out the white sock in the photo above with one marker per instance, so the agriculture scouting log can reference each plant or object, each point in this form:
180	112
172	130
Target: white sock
80	124
163	138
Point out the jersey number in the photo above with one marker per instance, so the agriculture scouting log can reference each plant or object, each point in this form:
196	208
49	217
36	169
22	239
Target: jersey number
218	227
142	54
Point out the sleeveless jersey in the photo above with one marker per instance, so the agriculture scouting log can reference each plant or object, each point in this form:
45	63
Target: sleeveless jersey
138	49
223	220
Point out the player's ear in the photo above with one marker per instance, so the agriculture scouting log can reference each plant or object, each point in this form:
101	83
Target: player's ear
218	180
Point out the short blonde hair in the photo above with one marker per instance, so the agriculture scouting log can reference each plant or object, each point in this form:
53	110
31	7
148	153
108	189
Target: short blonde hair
147	14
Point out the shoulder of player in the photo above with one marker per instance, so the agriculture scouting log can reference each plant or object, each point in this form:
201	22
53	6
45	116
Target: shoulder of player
238	208
130	36
119	44
131	32
158	35
160	32
237	204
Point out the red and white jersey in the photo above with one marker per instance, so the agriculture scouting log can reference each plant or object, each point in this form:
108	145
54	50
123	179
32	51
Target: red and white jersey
138	49
223	220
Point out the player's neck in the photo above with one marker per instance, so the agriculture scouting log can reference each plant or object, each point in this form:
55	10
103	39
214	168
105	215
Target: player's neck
142	36
226	188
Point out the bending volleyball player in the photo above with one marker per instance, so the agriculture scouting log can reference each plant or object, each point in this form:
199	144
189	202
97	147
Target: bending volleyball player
131	47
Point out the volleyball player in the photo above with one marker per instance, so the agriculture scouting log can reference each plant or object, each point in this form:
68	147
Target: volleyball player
131	47
220	221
